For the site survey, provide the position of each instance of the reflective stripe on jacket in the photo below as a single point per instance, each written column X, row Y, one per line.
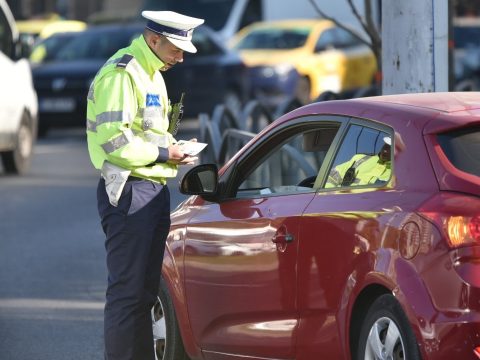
column 127, row 114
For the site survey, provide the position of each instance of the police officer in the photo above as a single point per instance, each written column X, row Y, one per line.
column 363, row 169
column 128, row 141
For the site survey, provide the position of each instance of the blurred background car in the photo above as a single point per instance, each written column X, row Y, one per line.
column 326, row 58
column 18, row 107
column 213, row 75
column 62, row 84
column 466, row 39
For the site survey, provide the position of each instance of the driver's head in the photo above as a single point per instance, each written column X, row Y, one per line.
column 386, row 150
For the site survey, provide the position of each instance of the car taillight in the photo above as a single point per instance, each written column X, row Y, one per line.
column 457, row 216
column 476, row 351
column 463, row 230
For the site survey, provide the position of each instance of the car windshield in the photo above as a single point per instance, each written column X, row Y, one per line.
column 48, row 48
column 274, row 39
column 215, row 12
column 462, row 148
column 97, row 44
column 466, row 36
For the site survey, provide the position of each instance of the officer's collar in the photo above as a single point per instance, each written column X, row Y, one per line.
column 146, row 57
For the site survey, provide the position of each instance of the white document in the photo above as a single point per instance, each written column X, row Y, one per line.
column 191, row 148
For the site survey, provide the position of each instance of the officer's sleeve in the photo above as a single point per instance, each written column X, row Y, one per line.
column 116, row 107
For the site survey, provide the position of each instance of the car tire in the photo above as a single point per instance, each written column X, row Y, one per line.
column 17, row 161
column 385, row 316
column 166, row 334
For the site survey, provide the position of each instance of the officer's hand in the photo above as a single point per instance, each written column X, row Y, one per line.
column 178, row 157
column 188, row 160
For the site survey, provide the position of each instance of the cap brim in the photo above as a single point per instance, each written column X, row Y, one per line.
column 185, row 45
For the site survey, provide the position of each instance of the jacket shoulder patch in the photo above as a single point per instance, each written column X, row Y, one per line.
column 123, row 62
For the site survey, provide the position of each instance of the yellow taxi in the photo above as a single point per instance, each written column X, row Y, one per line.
column 323, row 55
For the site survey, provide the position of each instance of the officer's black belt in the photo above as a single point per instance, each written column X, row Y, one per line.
column 134, row 178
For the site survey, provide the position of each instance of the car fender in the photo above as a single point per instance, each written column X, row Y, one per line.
column 172, row 272
column 403, row 282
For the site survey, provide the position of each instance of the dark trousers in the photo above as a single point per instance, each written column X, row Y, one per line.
column 135, row 232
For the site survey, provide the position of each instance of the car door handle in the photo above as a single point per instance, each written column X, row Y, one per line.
column 282, row 238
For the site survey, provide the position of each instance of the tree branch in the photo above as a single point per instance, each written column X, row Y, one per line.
column 340, row 25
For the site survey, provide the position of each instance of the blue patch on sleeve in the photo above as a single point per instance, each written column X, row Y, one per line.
column 153, row 100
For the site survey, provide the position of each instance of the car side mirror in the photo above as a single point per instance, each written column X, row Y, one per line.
column 200, row 180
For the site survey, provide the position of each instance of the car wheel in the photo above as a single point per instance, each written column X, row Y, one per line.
column 17, row 161
column 166, row 335
column 386, row 333
column 303, row 90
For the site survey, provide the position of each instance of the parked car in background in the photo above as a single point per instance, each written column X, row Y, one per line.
column 213, row 75
column 466, row 52
column 384, row 266
column 62, row 84
column 18, row 105
column 326, row 57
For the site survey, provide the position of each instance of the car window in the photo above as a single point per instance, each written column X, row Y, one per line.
column 344, row 39
column 364, row 158
column 47, row 49
column 462, row 148
column 274, row 38
column 96, row 45
column 291, row 167
column 466, row 36
column 326, row 40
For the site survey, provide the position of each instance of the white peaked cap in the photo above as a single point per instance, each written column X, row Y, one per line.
column 177, row 28
column 387, row 140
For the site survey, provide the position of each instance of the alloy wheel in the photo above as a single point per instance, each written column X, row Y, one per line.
column 384, row 341
column 159, row 330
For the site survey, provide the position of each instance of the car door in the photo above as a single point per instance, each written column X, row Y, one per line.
column 241, row 254
column 339, row 228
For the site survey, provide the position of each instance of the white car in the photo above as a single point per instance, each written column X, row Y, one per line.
column 18, row 100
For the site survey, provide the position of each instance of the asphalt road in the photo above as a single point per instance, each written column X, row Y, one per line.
column 52, row 271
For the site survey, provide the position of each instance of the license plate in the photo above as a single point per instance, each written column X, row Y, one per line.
column 57, row 105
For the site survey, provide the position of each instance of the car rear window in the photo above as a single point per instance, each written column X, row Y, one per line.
column 462, row 148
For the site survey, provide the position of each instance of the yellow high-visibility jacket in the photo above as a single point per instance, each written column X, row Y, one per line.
column 365, row 170
column 127, row 114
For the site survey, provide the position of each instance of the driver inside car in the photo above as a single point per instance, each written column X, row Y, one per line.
column 363, row 169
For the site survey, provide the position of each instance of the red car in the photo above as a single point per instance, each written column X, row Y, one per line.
column 294, row 251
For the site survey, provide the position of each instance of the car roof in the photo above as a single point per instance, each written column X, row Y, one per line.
column 432, row 112
column 291, row 23
column 446, row 102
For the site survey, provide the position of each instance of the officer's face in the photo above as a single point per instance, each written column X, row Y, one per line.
column 167, row 52
column 385, row 153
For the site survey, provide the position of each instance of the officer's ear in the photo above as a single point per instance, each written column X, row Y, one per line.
column 151, row 38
